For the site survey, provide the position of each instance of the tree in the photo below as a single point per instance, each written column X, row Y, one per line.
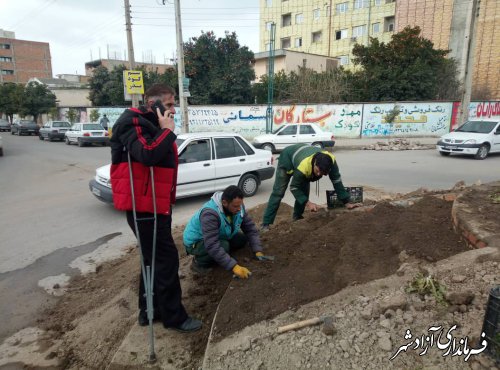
column 406, row 68
column 94, row 115
column 99, row 95
column 220, row 70
column 11, row 96
column 71, row 115
column 37, row 99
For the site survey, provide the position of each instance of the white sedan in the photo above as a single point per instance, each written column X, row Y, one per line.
column 207, row 162
column 86, row 133
column 293, row 134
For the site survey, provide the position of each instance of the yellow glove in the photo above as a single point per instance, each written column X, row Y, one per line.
column 259, row 254
column 241, row 272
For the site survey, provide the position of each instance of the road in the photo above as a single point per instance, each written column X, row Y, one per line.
column 52, row 227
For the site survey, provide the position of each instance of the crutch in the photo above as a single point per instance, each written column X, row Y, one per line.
column 148, row 272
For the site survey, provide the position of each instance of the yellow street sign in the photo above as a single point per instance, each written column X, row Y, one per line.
column 134, row 84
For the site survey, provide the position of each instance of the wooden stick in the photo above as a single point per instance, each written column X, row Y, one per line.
column 299, row 325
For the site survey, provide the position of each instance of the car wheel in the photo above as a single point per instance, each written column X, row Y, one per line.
column 40, row 137
column 12, row 132
column 1, row 152
column 80, row 143
column 445, row 154
column 318, row 145
column 249, row 184
column 49, row 138
column 268, row 147
column 66, row 140
column 482, row 152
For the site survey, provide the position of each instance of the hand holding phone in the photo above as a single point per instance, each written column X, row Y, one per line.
column 165, row 117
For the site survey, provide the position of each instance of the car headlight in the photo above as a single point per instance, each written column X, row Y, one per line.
column 470, row 141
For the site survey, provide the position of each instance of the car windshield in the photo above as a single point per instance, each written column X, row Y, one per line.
column 26, row 122
column 179, row 142
column 481, row 127
column 278, row 129
column 92, row 126
column 61, row 124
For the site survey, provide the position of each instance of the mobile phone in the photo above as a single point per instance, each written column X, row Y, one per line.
column 158, row 104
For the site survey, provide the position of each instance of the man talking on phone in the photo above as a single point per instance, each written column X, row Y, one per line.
column 147, row 134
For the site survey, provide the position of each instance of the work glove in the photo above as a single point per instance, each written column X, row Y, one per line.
column 261, row 257
column 241, row 272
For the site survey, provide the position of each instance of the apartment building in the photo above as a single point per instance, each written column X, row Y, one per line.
column 21, row 60
column 111, row 63
column 326, row 27
column 445, row 23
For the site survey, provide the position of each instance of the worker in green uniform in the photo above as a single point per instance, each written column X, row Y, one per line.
column 303, row 164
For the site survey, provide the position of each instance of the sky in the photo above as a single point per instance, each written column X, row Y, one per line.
column 79, row 31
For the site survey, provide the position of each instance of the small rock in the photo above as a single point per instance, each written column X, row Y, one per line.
column 366, row 313
column 382, row 333
column 460, row 298
column 386, row 323
column 458, row 278
column 403, row 256
column 407, row 317
column 462, row 308
column 340, row 315
column 398, row 300
column 362, row 337
column 390, row 313
column 385, row 343
column 344, row 345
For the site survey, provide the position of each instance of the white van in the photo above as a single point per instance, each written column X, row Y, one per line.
column 477, row 138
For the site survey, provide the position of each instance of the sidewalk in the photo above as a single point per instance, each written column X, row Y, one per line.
column 359, row 143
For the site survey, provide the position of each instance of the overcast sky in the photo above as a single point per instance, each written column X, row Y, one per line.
column 82, row 30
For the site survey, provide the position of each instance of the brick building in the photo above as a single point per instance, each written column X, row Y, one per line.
column 111, row 63
column 444, row 22
column 21, row 60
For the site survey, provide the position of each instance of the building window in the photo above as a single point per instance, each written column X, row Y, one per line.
column 285, row 43
column 359, row 31
column 378, row 2
column 4, row 46
column 268, row 26
column 358, row 4
column 389, row 24
column 286, row 20
column 328, row 11
column 269, row 3
column 341, row 34
column 299, row 18
column 344, row 60
column 5, row 59
column 316, row 14
column 6, row 72
column 389, row 1
column 316, row 36
column 375, row 27
column 342, row 8
column 298, row 42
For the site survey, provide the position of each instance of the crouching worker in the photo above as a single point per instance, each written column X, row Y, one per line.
column 219, row 227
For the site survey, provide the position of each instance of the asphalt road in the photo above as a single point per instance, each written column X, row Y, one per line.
column 51, row 225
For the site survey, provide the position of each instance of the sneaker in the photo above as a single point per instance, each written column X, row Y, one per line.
column 264, row 228
column 199, row 269
column 188, row 326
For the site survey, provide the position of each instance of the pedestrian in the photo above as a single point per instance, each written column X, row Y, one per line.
column 219, row 227
column 303, row 164
column 104, row 122
column 148, row 136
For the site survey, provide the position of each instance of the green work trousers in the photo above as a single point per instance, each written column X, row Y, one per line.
column 203, row 258
column 279, row 188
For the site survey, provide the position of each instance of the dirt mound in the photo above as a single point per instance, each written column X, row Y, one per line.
column 326, row 252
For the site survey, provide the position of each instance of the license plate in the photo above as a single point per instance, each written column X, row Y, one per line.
column 96, row 191
column 450, row 147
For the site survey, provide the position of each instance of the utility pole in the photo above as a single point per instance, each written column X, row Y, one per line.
column 180, row 68
column 130, row 44
column 470, row 48
column 270, row 81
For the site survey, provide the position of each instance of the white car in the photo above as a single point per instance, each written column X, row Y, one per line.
column 86, row 133
column 207, row 162
column 293, row 134
column 477, row 138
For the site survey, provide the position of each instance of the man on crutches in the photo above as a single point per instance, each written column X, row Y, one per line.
column 143, row 149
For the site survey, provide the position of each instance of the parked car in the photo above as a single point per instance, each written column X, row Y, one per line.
column 53, row 130
column 292, row 134
column 4, row 125
column 207, row 162
column 86, row 133
column 22, row 127
column 477, row 138
column 1, row 147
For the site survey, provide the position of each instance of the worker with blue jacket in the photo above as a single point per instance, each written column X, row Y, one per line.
column 219, row 227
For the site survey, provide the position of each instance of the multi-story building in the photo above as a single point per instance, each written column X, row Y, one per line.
column 327, row 27
column 21, row 60
column 445, row 23
column 111, row 63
